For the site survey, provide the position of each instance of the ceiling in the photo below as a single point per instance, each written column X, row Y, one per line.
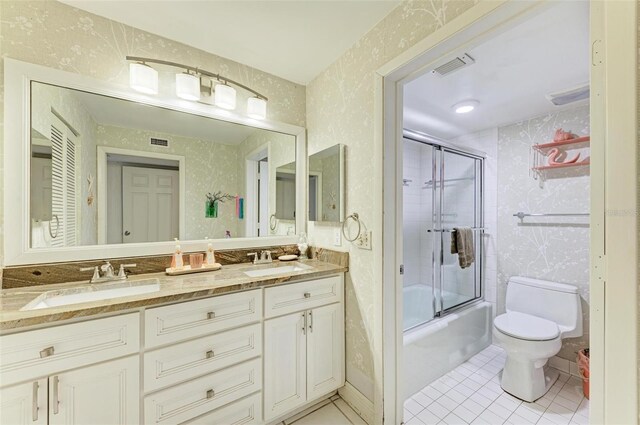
column 122, row 113
column 295, row 40
column 512, row 73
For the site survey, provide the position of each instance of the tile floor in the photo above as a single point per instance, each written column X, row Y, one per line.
column 471, row 394
column 334, row 411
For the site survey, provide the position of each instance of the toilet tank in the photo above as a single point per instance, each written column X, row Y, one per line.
column 553, row 301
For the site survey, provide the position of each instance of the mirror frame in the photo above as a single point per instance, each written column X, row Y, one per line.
column 17, row 141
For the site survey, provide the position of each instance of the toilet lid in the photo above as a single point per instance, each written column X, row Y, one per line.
column 525, row 326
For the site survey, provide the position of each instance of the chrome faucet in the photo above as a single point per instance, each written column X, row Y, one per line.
column 263, row 258
column 108, row 272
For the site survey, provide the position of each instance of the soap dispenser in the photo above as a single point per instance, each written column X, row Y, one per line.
column 211, row 255
column 176, row 261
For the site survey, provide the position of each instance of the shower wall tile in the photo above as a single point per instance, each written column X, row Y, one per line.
column 555, row 249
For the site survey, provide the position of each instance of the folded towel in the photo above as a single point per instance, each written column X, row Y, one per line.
column 462, row 244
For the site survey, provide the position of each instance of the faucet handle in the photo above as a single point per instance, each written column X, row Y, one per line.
column 268, row 255
column 96, row 273
column 255, row 256
column 121, row 273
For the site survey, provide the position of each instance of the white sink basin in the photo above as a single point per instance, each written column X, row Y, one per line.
column 278, row 270
column 95, row 292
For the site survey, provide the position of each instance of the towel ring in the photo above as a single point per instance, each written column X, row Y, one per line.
column 57, row 227
column 273, row 222
column 356, row 219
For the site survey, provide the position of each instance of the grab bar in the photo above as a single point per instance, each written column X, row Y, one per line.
column 451, row 230
column 521, row 215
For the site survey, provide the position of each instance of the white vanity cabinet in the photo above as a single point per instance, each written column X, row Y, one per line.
column 304, row 350
column 70, row 375
column 241, row 358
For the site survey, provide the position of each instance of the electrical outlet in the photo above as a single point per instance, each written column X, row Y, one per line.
column 337, row 237
column 364, row 240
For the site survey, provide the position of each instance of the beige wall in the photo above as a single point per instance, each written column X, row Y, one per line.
column 58, row 36
column 340, row 109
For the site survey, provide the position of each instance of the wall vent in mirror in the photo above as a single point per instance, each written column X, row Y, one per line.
column 159, row 142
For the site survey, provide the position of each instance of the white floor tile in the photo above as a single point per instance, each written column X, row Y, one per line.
column 327, row 415
column 349, row 412
column 422, row 399
column 471, row 394
column 428, row 417
column 438, row 409
column 413, row 406
column 453, row 419
column 465, row 414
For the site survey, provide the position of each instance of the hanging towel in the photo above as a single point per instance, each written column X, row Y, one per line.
column 462, row 244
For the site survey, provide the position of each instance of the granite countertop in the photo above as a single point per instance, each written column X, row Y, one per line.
column 230, row 278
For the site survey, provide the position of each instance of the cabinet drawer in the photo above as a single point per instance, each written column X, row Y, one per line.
column 302, row 296
column 180, row 362
column 31, row 354
column 194, row 398
column 243, row 412
column 165, row 325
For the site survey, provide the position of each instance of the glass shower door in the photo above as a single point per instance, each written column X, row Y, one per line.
column 459, row 195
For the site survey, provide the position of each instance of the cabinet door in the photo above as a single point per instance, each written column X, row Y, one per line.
column 284, row 364
column 325, row 350
column 106, row 393
column 24, row 404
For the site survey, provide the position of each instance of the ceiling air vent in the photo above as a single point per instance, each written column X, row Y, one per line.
column 160, row 142
column 569, row 96
column 454, row 65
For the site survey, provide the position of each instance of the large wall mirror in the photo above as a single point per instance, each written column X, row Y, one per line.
column 103, row 170
column 326, row 185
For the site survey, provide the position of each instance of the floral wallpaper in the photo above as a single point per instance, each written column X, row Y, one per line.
column 340, row 109
column 52, row 34
column 556, row 248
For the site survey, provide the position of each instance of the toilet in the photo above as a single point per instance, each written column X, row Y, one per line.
column 539, row 315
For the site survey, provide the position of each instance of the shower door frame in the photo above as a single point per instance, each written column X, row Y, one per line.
column 438, row 263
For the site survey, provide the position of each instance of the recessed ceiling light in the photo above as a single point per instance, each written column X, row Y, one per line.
column 465, row 106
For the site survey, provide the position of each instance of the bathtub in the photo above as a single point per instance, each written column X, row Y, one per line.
column 437, row 347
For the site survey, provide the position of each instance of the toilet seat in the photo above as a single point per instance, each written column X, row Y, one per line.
column 526, row 327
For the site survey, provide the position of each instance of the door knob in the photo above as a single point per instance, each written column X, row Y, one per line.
column 127, row 233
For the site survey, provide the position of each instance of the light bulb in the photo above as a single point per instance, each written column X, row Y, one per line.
column 257, row 108
column 143, row 78
column 187, row 86
column 225, row 96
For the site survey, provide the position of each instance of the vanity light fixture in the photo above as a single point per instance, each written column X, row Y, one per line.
column 187, row 86
column 465, row 106
column 224, row 96
column 143, row 78
column 257, row 108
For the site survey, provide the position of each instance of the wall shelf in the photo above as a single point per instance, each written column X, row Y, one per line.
column 575, row 141
column 550, row 167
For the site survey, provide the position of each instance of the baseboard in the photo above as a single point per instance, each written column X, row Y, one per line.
column 358, row 402
column 564, row 365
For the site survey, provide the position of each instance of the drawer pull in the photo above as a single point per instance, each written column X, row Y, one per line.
column 46, row 352
column 209, row 354
column 34, row 402
column 210, row 393
column 211, row 315
column 56, row 402
column 307, row 295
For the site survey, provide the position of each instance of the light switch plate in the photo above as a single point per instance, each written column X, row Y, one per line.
column 337, row 237
column 364, row 240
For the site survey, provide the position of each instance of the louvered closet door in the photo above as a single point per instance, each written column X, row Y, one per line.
column 64, row 216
